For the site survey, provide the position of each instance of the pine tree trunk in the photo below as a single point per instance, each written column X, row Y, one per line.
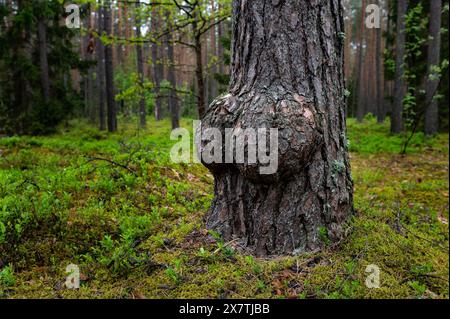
column 360, row 101
column 140, row 67
column 220, row 34
column 120, row 19
column 212, row 31
column 43, row 60
column 109, row 75
column 201, row 99
column 286, row 73
column 174, row 106
column 379, row 76
column 387, row 85
column 399, row 88
column 101, row 72
column 158, row 71
column 434, row 48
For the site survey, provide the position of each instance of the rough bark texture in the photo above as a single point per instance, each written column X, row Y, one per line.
column 286, row 73
column 434, row 48
column 109, row 74
column 399, row 89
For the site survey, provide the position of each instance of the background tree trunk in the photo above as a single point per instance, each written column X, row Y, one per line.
column 174, row 106
column 220, row 34
column 360, row 102
column 212, row 32
column 379, row 77
column 101, row 72
column 286, row 72
column 43, row 60
column 158, row 71
column 399, row 88
column 109, row 74
column 434, row 49
column 201, row 99
column 140, row 67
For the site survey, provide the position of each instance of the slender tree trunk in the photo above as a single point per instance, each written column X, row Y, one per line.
column 360, row 102
column 109, row 74
column 379, row 77
column 101, row 72
column 286, row 74
column 201, row 102
column 43, row 60
column 387, row 87
column 399, row 88
column 173, row 98
column 140, row 67
column 120, row 31
column 128, row 31
column 214, row 91
column 220, row 34
column 434, row 48
column 157, row 68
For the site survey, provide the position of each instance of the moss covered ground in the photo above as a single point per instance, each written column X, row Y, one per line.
column 116, row 206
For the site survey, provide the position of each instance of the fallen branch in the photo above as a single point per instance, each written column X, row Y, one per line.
column 95, row 158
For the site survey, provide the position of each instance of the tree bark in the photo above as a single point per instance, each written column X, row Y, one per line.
column 220, row 34
column 101, row 72
column 387, row 86
column 434, row 48
column 379, row 77
column 360, row 102
column 140, row 67
column 399, row 87
column 43, row 59
column 158, row 71
column 214, row 90
column 286, row 73
column 109, row 74
column 174, row 106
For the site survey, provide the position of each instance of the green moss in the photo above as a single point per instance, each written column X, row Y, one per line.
column 142, row 235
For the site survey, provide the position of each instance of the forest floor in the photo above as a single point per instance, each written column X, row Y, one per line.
column 132, row 221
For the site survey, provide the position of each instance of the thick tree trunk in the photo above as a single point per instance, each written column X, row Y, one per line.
column 109, row 74
column 140, row 67
column 174, row 106
column 399, row 88
column 286, row 73
column 434, row 48
column 43, row 60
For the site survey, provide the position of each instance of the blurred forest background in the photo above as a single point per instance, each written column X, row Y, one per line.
column 170, row 59
column 85, row 176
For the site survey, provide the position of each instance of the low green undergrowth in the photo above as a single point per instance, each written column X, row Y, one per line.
column 116, row 206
